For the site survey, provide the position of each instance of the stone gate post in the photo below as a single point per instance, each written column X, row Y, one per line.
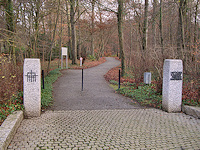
column 32, row 87
column 172, row 85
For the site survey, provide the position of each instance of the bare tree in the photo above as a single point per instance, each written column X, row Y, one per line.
column 73, row 31
column 54, row 34
column 161, row 29
column 145, row 26
column 92, row 31
column 8, row 6
column 120, row 35
column 155, row 2
column 69, row 29
column 180, row 32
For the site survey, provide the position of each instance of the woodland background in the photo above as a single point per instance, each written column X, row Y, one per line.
column 142, row 33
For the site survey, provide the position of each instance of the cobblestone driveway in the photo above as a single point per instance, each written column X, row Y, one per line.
column 100, row 119
column 109, row 129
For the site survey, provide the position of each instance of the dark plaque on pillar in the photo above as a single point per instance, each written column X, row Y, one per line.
column 176, row 76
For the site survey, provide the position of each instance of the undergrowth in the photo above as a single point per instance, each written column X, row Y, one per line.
column 146, row 95
column 16, row 101
column 151, row 95
column 46, row 93
column 92, row 58
column 11, row 105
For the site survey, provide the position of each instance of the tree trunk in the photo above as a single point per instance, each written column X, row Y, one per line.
column 196, row 37
column 131, row 41
column 60, row 42
column 78, row 33
column 69, row 30
column 8, row 5
column 180, row 35
column 120, row 35
column 196, row 23
column 145, row 27
column 153, row 24
column 101, row 45
column 161, row 30
column 73, row 31
column 54, row 34
column 92, row 31
column 37, row 14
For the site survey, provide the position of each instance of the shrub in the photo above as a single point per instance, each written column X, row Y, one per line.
column 90, row 57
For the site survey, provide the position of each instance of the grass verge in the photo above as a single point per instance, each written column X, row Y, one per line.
column 146, row 95
column 46, row 93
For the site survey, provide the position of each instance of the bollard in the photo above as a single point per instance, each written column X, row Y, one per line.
column 119, row 80
column 43, row 79
column 81, row 61
column 61, row 61
column 82, row 81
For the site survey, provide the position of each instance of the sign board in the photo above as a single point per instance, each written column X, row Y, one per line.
column 176, row 75
column 64, row 51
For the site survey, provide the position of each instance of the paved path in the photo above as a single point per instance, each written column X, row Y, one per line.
column 111, row 125
column 97, row 94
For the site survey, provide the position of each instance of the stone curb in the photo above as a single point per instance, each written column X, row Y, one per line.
column 9, row 128
column 191, row 110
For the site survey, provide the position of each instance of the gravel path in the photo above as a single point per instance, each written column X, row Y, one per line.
column 97, row 93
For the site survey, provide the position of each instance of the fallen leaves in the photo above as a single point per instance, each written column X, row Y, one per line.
column 88, row 64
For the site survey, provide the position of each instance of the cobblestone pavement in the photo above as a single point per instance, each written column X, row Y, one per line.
column 97, row 118
column 109, row 129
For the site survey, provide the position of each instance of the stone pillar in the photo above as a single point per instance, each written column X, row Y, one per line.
column 32, row 87
column 172, row 85
column 147, row 77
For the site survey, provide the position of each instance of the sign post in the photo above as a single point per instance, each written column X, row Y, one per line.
column 64, row 53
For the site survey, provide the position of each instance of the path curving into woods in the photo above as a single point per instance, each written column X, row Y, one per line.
column 97, row 94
